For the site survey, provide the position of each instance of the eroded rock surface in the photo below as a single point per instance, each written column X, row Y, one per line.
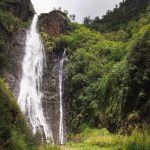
column 15, row 53
column 12, row 49
column 55, row 23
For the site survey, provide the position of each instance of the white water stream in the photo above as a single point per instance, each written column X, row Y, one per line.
column 61, row 125
column 30, row 95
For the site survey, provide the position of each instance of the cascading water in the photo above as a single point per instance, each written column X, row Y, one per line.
column 61, row 125
column 30, row 95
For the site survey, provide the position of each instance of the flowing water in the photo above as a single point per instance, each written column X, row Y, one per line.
column 30, row 96
column 61, row 125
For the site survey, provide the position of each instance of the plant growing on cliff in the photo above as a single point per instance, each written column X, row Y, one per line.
column 13, row 123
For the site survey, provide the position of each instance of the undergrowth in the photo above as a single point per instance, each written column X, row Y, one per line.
column 49, row 147
column 95, row 139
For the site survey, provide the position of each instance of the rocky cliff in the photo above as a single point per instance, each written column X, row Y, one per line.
column 54, row 24
column 12, row 43
column 14, row 20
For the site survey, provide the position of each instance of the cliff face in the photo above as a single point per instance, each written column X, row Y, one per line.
column 14, row 17
column 54, row 24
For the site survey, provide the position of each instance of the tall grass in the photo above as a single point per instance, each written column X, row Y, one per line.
column 138, row 141
column 48, row 147
column 94, row 139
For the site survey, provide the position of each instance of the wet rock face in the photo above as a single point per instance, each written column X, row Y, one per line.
column 53, row 23
column 21, row 8
column 51, row 99
column 13, row 49
column 15, row 52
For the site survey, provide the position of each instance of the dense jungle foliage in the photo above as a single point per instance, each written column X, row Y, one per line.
column 109, row 70
column 126, row 11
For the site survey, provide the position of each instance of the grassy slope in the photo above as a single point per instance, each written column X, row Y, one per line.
column 14, row 132
column 94, row 139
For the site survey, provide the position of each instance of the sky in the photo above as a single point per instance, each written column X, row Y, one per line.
column 81, row 8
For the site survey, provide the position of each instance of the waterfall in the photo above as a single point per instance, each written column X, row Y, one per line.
column 61, row 125
column 30, row 96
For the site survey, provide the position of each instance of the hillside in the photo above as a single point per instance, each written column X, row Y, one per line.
column 14, row 132
column 127, row 12
column 100, row 70
column 108, row 72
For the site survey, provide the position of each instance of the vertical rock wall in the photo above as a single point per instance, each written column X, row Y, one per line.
column 15, row 52
column 54, row 24
column 13, row 49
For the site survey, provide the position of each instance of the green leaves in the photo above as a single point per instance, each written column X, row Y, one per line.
column 9, row 21
column 14, row 132
column 109, row 73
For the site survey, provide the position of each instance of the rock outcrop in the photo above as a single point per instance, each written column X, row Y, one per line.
column 54, row 24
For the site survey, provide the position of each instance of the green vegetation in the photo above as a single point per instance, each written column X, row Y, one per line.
column 109, row 81
column 127, row 12
column 9, row 22
column 109, row 77
column 96, row 139
column 48, row 147
column 108, row 72
column 9, row 25
column 14, row 132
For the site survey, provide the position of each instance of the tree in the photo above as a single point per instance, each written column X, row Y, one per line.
column 87, row 20
column 72, row 17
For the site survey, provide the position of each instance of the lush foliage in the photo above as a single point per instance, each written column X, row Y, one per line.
column 9, row 25
column 108, row 72
column 138, row 141
column 109, row 80
column 120, row 17
column 103, row 140
column 14, row 132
